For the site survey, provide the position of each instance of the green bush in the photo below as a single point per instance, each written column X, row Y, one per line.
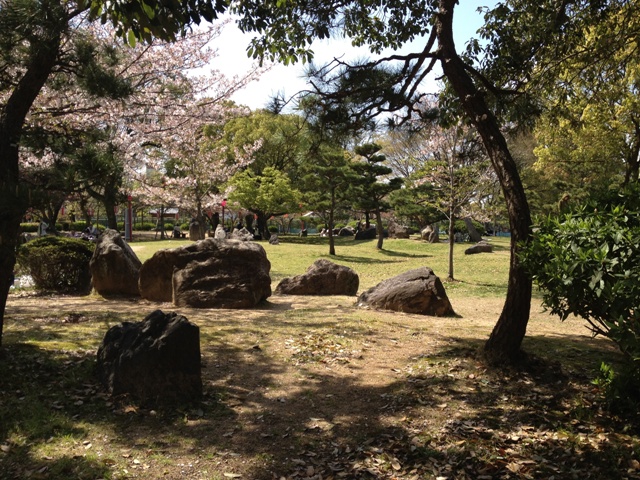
column 587, row 263
column 460, row 227
column 59, row 264
column 30, row 227
column 144, row 226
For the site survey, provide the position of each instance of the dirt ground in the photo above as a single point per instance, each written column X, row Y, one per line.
column 312, row 387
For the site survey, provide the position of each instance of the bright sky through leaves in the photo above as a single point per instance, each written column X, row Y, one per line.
column 233, row 59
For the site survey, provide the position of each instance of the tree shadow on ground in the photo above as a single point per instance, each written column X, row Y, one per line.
column 304, row 410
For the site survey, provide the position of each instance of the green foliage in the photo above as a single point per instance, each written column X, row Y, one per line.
column 30, row 227
column 58, row 263
column 587, row 263
column 283, row 141
column 460, row 227
column 271, row 192
column 621, row 389
column 144, row 20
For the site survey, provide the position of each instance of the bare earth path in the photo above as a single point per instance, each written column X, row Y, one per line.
column 311, row 387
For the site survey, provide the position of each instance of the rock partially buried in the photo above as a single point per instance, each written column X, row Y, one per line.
column 416, row 291
column 211, row 273
column 480, row 247
column 154, row 361
column 321, row 278
column 114, row 266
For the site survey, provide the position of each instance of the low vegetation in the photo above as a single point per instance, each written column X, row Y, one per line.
column 313, row 387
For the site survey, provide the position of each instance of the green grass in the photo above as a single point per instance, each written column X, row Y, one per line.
column 482, row 275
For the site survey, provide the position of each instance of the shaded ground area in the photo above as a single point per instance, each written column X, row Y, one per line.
column 312, row 388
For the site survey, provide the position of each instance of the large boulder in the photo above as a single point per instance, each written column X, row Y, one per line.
column 210, row 273
column 155, row 361
column 114, row 266
column 430, row 233
column 346, row 232
column 480, row 247
column 366, row 233
column 241, row 234
column 416, row 291
column 321, row 278
column 398, row 231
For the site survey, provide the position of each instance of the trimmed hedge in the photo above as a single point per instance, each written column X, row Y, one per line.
column 59, row 264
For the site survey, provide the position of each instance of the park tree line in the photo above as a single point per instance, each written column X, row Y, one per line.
column 556, row 78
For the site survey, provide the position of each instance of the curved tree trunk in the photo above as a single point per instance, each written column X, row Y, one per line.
column 505, row 340
column 12, row 196
column 473, row 232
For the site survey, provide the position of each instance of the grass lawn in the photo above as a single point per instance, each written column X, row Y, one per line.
column 314, row 388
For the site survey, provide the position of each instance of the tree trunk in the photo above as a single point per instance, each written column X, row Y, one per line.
column 504, row 343
column 632, row 165
column 13, row 198
column 110, row 209
column 379, row 229
column 435, row 235
column 332, row 243
column 452, row 224
column 473, row 233
column 262, row 226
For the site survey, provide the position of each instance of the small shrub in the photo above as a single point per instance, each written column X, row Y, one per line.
column 587, row 263
column 460, row 227
column 29, row 227
column 59, row 264
column 621, row 389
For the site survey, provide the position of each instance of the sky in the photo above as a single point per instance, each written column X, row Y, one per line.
column 232, row 57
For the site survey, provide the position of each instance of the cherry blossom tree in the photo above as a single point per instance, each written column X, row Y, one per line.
column 164, row 124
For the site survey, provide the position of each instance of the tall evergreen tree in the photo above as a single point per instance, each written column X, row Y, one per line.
column 373, row 184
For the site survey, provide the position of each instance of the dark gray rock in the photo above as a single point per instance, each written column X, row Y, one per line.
column 273, row 239
column 154, row 361
column 416, row 291
column 480, row 247
column 366, row 234
column 321, row 278
column 346, row 232
column 398, row 231
column 210, row 273
column 195, row 231
column 114, row 266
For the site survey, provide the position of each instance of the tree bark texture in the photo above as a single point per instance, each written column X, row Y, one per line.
column 506, row 338
column 379, row 229
column 13, row 197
